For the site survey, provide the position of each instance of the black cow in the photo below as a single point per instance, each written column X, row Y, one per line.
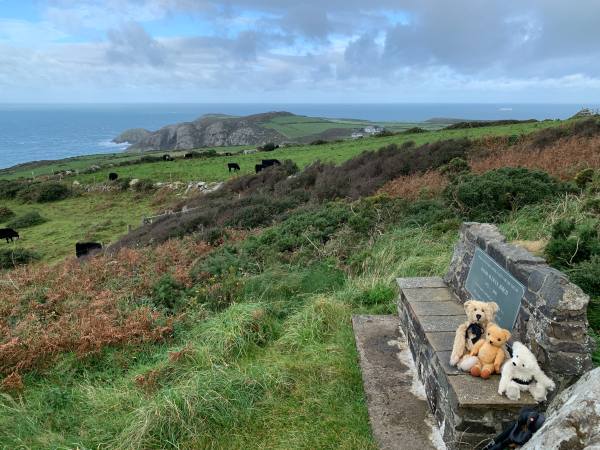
column 270, row 162
column 167, row 158
column 188, row 155
column 8, row 233
column 258, row 167
column 113, row 176
column 85, row 248
column 233, row 166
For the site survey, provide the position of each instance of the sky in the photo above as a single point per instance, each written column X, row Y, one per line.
column 300, row 51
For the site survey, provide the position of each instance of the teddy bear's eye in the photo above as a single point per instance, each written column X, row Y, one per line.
column 498, row 339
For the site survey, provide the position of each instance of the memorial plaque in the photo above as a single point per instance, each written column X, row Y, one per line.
column 488, row 281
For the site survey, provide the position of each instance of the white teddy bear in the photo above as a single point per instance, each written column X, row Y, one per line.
column 522, row 373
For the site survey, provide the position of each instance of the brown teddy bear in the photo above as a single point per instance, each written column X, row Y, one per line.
column 490, row 351
column 479, row 314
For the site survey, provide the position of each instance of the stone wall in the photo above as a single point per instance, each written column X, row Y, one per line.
column 552, row 319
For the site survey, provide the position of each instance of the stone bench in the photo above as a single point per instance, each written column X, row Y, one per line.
column 537, row 303
column 467, row 409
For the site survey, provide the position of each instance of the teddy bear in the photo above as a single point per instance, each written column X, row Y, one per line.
column 479, row 315
column 489, row 351
column 522, row 373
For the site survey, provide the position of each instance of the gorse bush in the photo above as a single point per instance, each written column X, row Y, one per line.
column 5, row 213
column 10, row 188
column 168, row 294
column 28, row 219
column 581, row 128
column 572, row 243
column 488, row 197
column 44, row 192
column 12, row 257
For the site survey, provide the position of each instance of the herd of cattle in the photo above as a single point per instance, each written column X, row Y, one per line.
column 81, row 248
column 85, row 248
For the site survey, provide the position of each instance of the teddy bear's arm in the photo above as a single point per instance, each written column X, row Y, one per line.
column 498, row 360
column 477, row 346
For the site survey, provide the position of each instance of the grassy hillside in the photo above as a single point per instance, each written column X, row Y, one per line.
column 232, row 329
column 103, row 217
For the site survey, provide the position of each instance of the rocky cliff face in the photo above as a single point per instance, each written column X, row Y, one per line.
column 211, row 131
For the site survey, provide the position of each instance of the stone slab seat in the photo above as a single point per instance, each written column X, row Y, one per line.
column 467, row 409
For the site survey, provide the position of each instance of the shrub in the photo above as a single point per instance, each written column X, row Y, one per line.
column 10, row 188
column 584, row 177
column 28, row 219
column 150, row 159
column 414, row 130
column 385, row 133
column 122, row 184
column 318, row 142
column 407, row 144
column 571, row 244
column 490, row 196
column 168, row 294
column 268, row 147
column 5, row 213
column 12, row 257
column 44, row 192
column 456, row 166
column 586, row 275
column 143, row 185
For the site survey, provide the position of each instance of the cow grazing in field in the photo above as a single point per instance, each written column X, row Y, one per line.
column 188, row 155
column 8, row 233
column 85, row 248
column 113, row 176
column 167, row 158
column 233, row 166
column 270, row 162
column 258, row 168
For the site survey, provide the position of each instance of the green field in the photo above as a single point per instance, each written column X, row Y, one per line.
column 215, row 169
column 297, row 127
column 98, row 217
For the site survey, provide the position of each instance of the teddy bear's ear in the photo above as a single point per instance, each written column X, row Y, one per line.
column 468, row 303
column 492, row 307
column 507, row 334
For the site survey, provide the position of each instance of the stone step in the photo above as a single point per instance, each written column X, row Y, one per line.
column 469, row 410
column 398, row 412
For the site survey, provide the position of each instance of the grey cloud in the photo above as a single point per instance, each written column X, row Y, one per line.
column 132, row 45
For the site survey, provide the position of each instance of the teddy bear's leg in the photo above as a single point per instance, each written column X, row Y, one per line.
column 512, row 391
column 487, row 370
column 538, row 391
column 504, row 379
column 476, row 369
column 458, row 348
column 467, row 362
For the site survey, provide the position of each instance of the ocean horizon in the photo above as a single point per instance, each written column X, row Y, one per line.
column 32, row 132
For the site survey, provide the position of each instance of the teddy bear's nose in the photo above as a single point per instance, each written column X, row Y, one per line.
column 514, row 364
column 478, row 316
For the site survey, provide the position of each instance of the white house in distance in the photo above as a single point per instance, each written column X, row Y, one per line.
column 357, row 135
column 373, row 129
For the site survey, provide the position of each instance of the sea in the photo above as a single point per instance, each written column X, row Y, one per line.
column 32, row 132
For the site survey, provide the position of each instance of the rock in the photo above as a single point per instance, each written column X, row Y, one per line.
column 76, row 183
column 573, row 418
column 207, row 131
column 132, row 136
column 134, row 182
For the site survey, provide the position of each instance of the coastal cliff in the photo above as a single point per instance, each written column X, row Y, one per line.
column 207, row 131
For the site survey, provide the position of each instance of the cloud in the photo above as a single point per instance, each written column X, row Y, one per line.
column 131, row 44
column 310, row 51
